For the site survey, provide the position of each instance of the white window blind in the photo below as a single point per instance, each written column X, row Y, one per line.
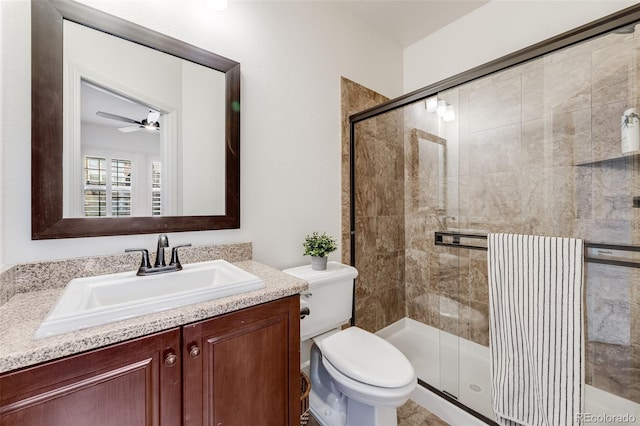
column 156, row 181
column 107, row 191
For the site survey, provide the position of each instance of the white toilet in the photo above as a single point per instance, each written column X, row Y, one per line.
column 357, row 378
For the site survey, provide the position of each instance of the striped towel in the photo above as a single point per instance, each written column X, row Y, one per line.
column 536, row 335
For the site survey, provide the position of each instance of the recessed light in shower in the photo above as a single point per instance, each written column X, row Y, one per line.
column 449, row 114
column 440, row 106
column 431, row 104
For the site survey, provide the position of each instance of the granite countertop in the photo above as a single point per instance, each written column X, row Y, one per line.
column 23, row 314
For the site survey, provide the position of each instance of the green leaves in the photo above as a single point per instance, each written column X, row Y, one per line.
column 319, row 245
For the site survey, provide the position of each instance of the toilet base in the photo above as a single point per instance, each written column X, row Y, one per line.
column 357, row 413
column 326, row 413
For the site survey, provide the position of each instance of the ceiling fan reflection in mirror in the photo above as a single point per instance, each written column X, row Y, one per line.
column 149, row 123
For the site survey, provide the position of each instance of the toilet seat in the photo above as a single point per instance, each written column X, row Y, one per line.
column 367, row 358
column 368, row 394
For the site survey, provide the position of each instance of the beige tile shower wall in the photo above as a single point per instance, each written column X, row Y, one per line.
column 515, row 162
column 354, row 98
column 380, row 289
column 527, row 153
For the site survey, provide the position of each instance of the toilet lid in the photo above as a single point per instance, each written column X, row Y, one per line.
column 367, row 358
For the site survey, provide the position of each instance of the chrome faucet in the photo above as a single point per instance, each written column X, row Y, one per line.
column 159, row 265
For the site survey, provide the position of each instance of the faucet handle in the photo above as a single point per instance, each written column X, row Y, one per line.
column 145, row 264
column 174, row 256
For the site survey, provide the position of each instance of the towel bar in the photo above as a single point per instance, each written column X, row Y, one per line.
column 604, row 253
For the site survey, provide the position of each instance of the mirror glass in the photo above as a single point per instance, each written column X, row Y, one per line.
column 132, row 131
column 142, row 140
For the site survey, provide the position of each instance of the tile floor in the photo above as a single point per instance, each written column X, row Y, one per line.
column 410, row 414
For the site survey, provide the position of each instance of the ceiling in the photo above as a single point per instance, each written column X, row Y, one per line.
column 402, row 21
column 406, row 22
column 95, row 98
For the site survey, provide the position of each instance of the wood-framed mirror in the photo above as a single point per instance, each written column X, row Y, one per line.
column 50, row 74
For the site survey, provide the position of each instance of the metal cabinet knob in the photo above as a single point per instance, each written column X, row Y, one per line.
column 194, row 351
column 171, row 359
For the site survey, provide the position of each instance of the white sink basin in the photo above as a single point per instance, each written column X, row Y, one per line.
column 92, row 301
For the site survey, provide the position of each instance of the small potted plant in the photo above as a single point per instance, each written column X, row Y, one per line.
column 318, row 247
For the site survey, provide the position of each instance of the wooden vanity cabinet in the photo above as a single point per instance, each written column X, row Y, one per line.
column 137, row 382
column 243, row 368
column 238, row 369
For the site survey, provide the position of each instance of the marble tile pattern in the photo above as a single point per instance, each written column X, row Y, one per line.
column 613, row 368
column 379, row 156
column 534, row 149
column 608, row 299
column 412, row 414
column 353, row 98
column 22, row 315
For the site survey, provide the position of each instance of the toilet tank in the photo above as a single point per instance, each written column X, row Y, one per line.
column 329, row 297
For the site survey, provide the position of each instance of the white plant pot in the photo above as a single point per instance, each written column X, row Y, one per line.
column 318, row 263
column 630, row 131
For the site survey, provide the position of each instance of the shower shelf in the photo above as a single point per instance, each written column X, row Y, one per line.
column 608, row 254
column 608, row 161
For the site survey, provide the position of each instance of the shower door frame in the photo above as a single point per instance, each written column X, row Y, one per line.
column 580, row 34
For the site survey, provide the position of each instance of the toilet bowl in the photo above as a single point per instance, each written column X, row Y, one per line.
column 357, row 378
column 368, row 368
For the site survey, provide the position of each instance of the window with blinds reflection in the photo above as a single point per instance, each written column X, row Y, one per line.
column 107, row 191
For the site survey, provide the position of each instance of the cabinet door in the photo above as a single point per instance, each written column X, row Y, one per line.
column 132, row 383
column 243, row 368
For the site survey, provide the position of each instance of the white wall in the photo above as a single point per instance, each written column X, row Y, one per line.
column 202, row 163
column 292, row 55
column 493, row 30
column 3, row 65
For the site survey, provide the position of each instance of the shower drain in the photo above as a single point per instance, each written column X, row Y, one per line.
column 475, row 387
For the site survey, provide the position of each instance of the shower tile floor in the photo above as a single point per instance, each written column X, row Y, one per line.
column 410, row 414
